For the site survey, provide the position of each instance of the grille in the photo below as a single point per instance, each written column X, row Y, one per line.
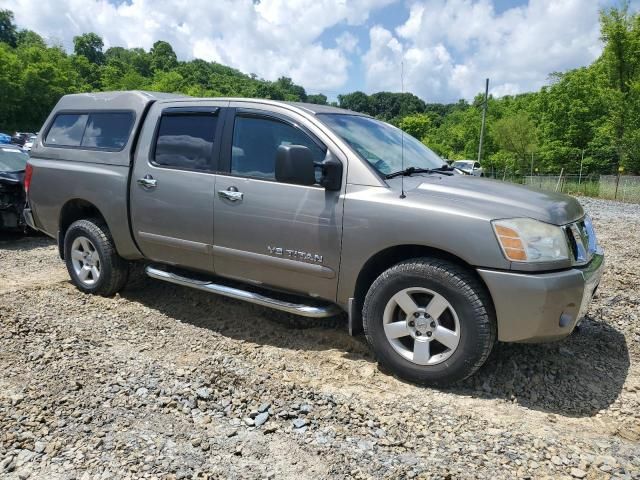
column 582, row 239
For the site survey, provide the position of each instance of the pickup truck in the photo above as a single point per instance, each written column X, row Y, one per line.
column 315, row 211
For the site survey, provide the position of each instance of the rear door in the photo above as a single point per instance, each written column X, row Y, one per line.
column 278, row 234
column 172, row 187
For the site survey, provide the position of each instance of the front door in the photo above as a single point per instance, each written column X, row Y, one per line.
column 272, row 233
column 173, row 183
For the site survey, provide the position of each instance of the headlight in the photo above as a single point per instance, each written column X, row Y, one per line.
column 529, row 240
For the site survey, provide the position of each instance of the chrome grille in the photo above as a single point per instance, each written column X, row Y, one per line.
column 582, row 239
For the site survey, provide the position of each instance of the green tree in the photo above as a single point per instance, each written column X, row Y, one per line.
column 516, row 134
column 163, row 58
column 89, row 45
column 621, row 58
column 356, row 101
column 417, row 125
column 291, row 91
column 318, row 99
column 29, row 38
column 8, row 32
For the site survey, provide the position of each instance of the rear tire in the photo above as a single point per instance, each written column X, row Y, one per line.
column 92, row 260
column 430, row 321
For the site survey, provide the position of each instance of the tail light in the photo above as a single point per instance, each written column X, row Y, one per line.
column 28, row 173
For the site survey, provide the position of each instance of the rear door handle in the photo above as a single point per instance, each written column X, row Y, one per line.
column 148, row 182
column 231, row 194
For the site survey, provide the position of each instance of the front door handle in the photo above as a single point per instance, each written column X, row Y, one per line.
column 231, row 194
column 148, row 182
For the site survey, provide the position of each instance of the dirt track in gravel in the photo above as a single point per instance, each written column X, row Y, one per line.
column 166, row 382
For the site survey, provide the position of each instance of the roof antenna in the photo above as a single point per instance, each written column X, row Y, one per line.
column 402, row 195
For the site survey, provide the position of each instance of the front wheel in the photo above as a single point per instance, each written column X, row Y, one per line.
column 430, row 321
column 92, row 260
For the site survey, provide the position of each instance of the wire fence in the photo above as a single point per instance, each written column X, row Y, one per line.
column 624, row 188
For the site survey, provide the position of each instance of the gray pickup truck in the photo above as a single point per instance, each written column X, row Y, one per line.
column 315, row 211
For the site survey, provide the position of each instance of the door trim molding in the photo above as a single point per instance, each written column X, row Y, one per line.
column 269, row 261
column 199, row 247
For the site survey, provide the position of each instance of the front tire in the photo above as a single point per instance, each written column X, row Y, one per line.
column 430, row 321
column 92, row 260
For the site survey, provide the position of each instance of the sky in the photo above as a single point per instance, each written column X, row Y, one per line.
column 441, row 50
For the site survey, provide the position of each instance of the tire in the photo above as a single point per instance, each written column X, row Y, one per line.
column 93, row 236
column 463, row 313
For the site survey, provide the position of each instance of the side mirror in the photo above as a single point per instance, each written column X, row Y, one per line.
column 294, row 164
column 331, row 173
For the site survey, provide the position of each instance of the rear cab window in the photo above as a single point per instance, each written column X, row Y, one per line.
column 91, row 130
column 185, row 140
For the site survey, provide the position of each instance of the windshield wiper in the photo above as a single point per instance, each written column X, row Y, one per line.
column 407, row 172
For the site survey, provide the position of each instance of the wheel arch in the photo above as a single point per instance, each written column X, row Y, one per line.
column 72, row 210
column 385, row 259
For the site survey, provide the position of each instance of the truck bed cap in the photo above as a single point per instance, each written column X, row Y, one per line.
column 131, row 100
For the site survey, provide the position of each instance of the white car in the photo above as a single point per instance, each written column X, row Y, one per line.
column 469, row 167
column 29, row 143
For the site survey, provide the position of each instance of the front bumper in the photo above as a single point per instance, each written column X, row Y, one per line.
column 542, row 307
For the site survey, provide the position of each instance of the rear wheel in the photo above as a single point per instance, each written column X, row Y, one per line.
column 429, row 321
column 92, row 260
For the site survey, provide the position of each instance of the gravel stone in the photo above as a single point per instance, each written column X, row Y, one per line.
column 578, row 473
column 261, row 419
column 299, row 423
column 161, row 381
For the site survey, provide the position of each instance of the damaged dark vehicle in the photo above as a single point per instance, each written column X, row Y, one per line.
column 13, row 162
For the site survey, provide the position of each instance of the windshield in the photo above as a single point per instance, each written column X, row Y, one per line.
column 12, row 160
column 463, row 164
column 380, row 144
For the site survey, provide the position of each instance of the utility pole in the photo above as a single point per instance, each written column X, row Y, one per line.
column 484, row 119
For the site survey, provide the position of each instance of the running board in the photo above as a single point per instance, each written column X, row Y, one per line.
column 312, row 311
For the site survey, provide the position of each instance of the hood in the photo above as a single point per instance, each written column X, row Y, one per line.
column 491, row 199
column 12, row 178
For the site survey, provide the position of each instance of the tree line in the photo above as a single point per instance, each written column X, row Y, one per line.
column 588, row 117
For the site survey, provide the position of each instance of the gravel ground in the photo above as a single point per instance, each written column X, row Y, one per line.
column 166, row 382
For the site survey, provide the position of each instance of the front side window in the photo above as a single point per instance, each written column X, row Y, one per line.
column 384, row 146
column 186, row 141
column 67, row 130
column 256, row 141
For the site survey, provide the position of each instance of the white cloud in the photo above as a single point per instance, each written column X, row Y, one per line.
column 270, row 38
column 450, row 46
column 347, row 42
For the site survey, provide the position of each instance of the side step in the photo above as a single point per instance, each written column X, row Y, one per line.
column 313, row 311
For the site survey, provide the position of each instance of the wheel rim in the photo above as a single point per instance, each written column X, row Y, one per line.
column 422, row 326
column 85, row 261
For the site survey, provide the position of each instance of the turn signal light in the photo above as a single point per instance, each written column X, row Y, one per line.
column 511, row 243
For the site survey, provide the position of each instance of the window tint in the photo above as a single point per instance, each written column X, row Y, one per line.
column 108, row 130
column 67, row 129
column 256, row 141
column 185, row 141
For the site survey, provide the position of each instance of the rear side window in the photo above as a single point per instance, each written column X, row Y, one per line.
column 185, row 141
column 108, row 130
column 99, row 130
column 67, row 130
